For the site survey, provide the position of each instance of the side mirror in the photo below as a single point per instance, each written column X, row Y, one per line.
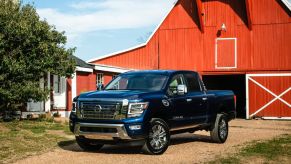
column 182, row 89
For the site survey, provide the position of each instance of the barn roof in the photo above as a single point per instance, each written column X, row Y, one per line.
column 287, row 3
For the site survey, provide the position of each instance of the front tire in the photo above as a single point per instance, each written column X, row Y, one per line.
column 87, row 144
column 219, row 132
column 159, row 137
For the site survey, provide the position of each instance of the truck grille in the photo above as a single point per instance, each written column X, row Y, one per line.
column 101, row 110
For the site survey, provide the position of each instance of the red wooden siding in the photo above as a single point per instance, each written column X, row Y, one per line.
column 266, row 12
column 180, row 44
column 85, row 82
column 261, row 99
column 178, row 49
column 183, row 16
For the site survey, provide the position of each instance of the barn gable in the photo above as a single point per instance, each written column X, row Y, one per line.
column 253, row 32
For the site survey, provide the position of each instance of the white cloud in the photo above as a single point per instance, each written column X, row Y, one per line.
column 107, row 15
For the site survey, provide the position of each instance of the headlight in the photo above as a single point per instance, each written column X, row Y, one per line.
column 137, row 109
column 74, row 107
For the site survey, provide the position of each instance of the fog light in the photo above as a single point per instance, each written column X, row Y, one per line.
column 135, row 127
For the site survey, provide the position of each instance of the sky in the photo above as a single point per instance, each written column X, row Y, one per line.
column 101, row 27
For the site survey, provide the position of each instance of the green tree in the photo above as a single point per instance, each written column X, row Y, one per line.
column 29, row 48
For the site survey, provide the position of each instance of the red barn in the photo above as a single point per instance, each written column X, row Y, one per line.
column 243, row 45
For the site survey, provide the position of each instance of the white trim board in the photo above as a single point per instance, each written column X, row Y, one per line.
column 110, row 69
column 216, row 53
column 276, row 97
column 277, row 118
column 138, row 46
column 269, row 74
column 287, row 3
column 83, row 69
column 74, row 86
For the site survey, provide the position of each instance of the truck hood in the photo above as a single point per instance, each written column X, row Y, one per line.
column 121, row 94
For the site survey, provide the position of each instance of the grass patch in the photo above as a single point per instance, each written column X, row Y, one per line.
column 20, row 139
column 270, row 151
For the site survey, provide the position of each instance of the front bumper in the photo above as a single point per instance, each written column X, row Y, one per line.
column 106, row 131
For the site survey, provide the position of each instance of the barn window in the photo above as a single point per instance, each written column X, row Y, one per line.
column 100, row 78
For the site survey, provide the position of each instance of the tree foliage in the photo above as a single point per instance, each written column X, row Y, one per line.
column 29, row 48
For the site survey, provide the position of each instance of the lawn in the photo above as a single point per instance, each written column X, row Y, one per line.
column 277, row 150
column 26, row 138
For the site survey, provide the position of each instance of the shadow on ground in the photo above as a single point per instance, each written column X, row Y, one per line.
column 71, row 145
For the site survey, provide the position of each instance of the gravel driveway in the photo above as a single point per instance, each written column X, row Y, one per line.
column 185, row 148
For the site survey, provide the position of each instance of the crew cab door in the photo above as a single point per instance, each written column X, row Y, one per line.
column 179, row 106
column 196, row 98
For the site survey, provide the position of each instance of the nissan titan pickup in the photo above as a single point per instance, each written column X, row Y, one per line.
column 147, row 107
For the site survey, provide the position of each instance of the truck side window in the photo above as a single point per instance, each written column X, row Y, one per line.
column 193, row 82
column 176, row 80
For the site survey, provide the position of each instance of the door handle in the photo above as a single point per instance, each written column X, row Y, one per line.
column 204, row 98
column 188, row 100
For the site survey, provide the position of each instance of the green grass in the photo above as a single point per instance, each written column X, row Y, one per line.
column 25, row 138
column 270, row 151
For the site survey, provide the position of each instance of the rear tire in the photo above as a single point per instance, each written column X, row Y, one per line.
column 219, row 132
column 87, row 144
column 159, row 137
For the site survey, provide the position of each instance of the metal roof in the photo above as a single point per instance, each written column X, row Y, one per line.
column 287, row 3
column 81, row 63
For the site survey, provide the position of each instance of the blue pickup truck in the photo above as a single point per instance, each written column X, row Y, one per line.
column 146, row 107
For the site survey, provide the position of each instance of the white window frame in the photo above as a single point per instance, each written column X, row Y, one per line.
column 59, row 82
column 99, row 78
column 216, row 53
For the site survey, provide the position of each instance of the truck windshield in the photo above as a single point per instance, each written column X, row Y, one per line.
column 152, row 82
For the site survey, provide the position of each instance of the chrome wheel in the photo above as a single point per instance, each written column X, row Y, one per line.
column 158, row 137
column 222, row 129
column 219, row 129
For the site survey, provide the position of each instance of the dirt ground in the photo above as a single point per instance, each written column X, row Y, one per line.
column 185, row 148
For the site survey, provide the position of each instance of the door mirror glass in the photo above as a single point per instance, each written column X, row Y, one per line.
column 177, row 82
column 182, row 89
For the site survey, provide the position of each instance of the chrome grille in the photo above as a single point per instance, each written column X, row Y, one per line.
column 101, row 110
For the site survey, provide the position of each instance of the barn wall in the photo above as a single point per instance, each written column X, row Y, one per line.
column 180, row 44
column 85, row 82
